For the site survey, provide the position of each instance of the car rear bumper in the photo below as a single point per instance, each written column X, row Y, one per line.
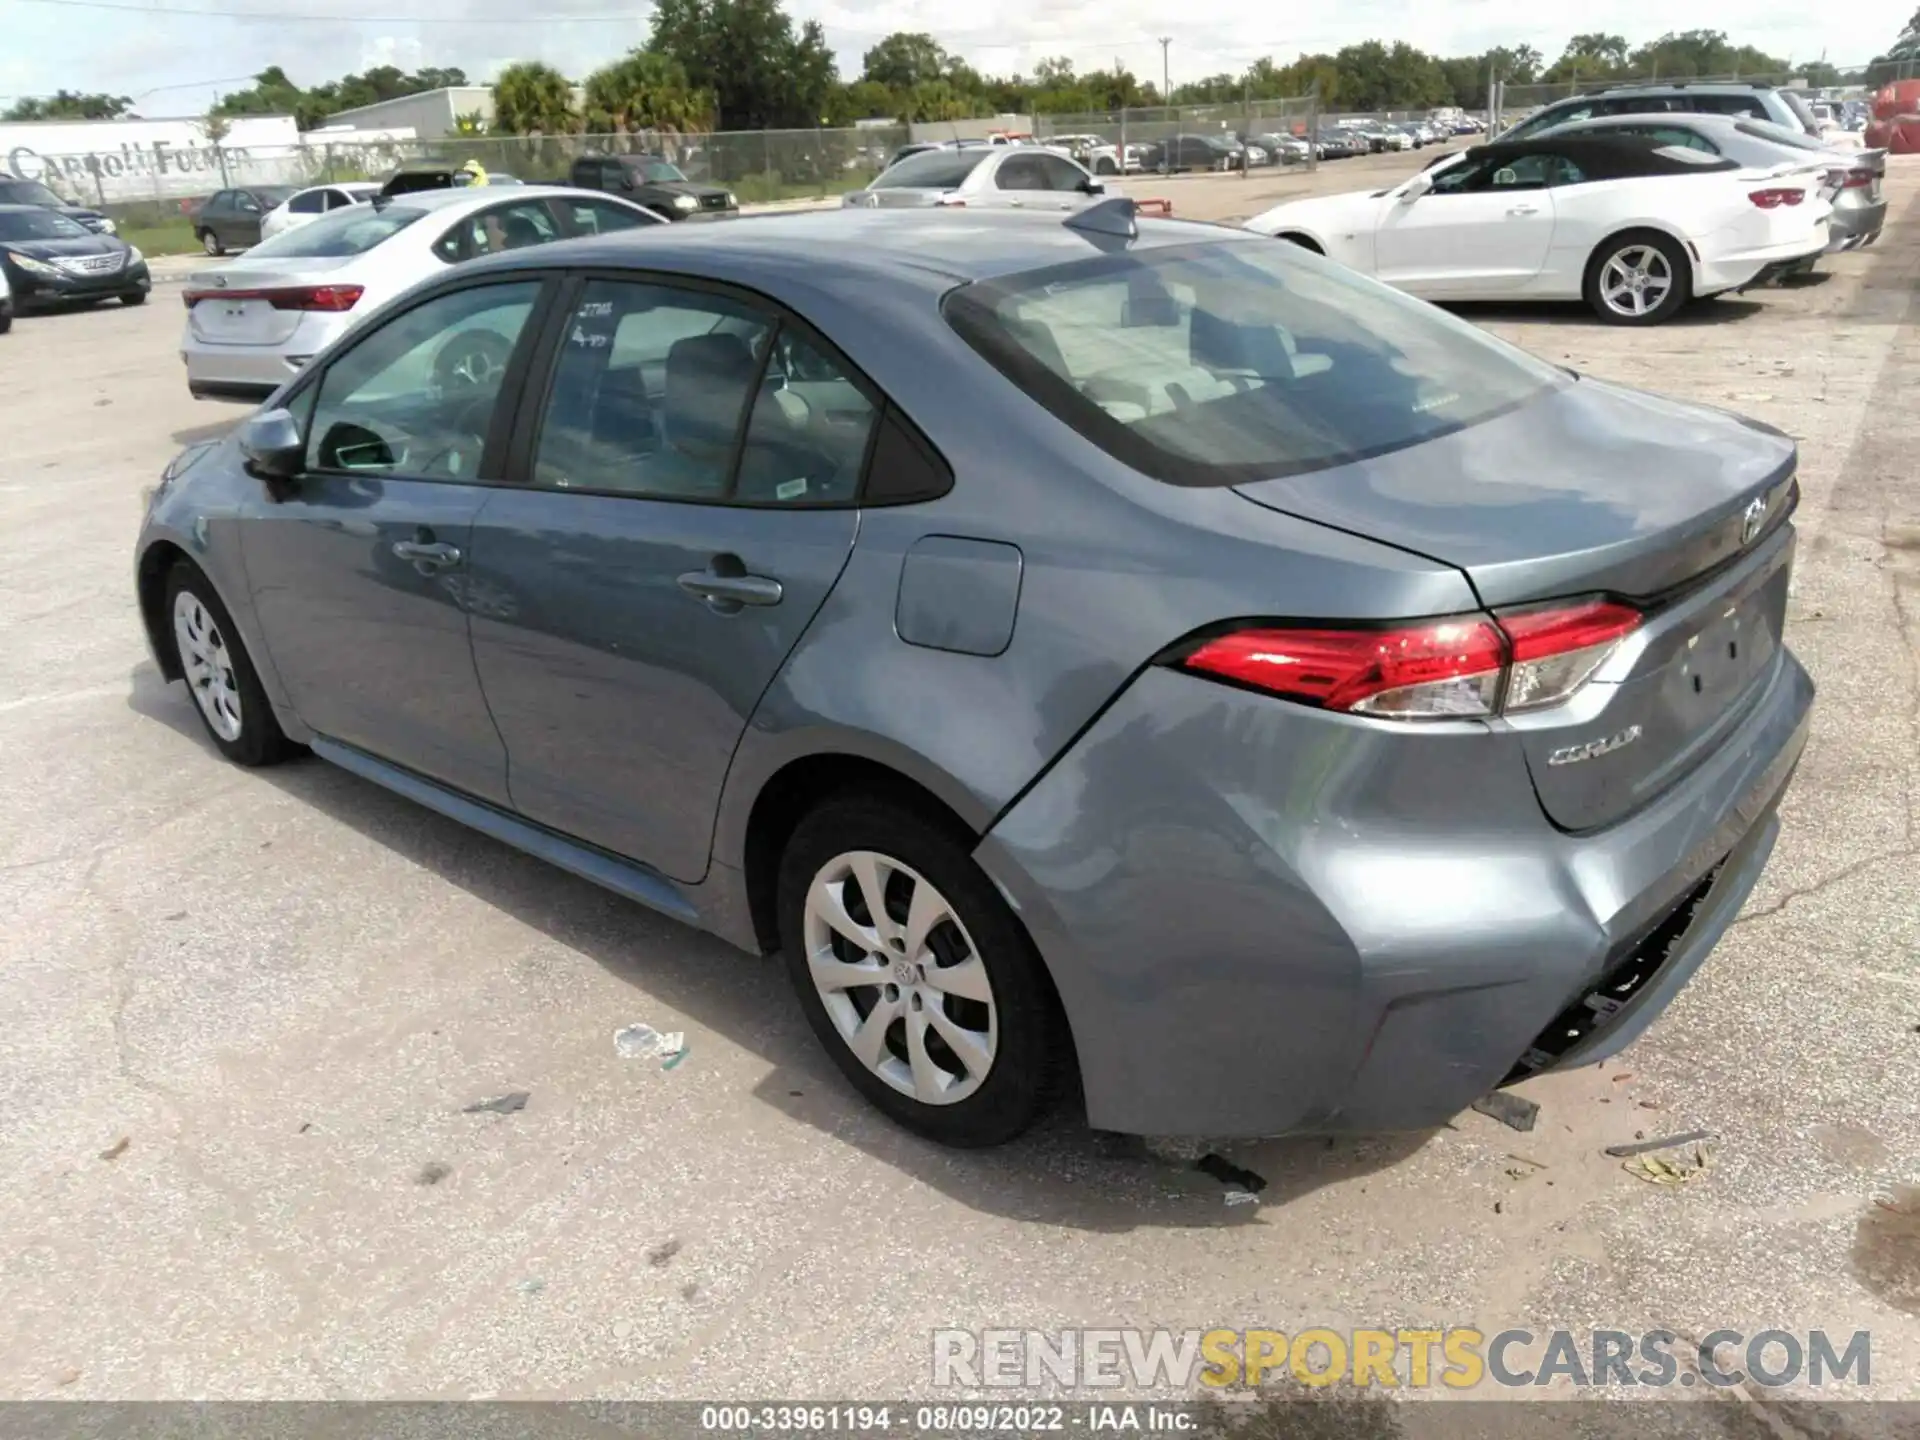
column 1853, row 226
column 253, row 372
column 1265, row 919
column 1744, row 269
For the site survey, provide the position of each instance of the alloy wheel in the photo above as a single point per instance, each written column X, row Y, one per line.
column 1635, row 281
column 208, row 665
column 900, row 977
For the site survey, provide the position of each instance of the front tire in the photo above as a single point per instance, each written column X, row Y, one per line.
column 219, row 673
column 915, row 974
column 1639, row 278
column 137, row 297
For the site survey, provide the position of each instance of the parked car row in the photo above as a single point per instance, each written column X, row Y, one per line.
column 1108, row 655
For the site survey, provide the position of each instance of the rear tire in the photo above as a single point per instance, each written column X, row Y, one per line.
column 1640, row 277
column 220, row 677
column 970, row 974
column 210, row 242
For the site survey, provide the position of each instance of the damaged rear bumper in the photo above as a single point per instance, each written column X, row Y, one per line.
column 1266, row 919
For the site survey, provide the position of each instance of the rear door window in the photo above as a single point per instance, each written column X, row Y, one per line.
column 308, row 202
column 1021, row 172
column 602, row 217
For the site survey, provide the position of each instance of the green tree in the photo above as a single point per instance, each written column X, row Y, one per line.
column 761, row 74
column 69, row 105
column 530, row 98
column 645, row 91
column 1593, row 56
column 905, row 59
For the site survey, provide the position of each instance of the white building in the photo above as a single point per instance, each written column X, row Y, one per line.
column 431, row 114
column 103, row 161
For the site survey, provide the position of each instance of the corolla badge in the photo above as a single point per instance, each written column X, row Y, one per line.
column 1574, row 754
column 1752, row 520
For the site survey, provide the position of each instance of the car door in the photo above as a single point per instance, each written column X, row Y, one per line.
column 1018, row 183
column 1484, row 229
column 655, row 566
column 243, row 219
column 1066, row 182
column 359, row 569
column 215, row 214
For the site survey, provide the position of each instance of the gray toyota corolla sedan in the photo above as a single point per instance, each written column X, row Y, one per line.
column 1084, row 647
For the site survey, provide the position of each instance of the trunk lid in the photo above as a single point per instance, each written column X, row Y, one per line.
column 1590, row 490
column 230, row 309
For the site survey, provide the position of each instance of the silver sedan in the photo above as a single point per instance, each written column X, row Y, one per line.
column 981, row 176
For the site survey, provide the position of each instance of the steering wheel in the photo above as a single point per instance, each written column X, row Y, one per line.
column 474, row 361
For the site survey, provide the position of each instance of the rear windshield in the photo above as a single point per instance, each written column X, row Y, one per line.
column 1224, row 362
column 351, row 231
column 39, row 225
column 931, row 170
column 1778, row 134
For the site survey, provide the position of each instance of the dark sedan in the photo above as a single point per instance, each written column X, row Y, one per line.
column 32, row 192
column 51, row 260
column 230, row 220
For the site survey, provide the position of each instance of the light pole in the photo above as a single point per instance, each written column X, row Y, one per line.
column 1166, row 85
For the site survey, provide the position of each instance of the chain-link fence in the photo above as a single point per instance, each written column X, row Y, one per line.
column 1180, row 137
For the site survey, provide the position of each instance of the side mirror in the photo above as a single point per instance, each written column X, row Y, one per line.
column 273, row 445
column 1416, row 187
column 1093, row 187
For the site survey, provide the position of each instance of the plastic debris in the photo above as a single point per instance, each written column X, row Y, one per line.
column 1665, row 1142
column 1242, row 1197
column 504, row 1105
column 673, row 1049
column 1510, row 1110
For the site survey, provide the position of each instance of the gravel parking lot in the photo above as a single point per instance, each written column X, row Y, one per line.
column 243, row 1013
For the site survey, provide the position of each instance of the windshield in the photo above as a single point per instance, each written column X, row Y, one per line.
column 1778, row 134
column 27, row 192
column 1224, row 362
column 39, row 225
column 351, row 231
column 931, row 170
column 660, row 170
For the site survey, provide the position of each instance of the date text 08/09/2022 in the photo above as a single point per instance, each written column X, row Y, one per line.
column 955, row 1419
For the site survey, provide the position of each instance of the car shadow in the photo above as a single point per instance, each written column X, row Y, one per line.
column 1716, row 310
column 1060, row 1173
column 215, row 430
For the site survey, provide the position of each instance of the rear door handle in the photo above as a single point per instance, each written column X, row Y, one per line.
column 436, row 554
column 1524, row 210
column 728, row 593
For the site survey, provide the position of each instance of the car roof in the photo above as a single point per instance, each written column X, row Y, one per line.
column 479, row 195
column 932, row 249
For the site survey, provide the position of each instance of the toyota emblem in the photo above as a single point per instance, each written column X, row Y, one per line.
column 1751, row 522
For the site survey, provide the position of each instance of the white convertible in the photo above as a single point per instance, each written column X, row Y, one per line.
column 1634, row 227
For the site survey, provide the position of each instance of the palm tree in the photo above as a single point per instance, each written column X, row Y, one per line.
column 646, row 91
column 530, row 98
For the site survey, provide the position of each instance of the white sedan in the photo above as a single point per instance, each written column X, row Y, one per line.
column 1634, row 227
column 254, row 322
column 305, row 206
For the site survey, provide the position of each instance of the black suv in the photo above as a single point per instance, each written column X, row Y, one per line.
column 14, row 191
column 654, row 182
column 1757, row 102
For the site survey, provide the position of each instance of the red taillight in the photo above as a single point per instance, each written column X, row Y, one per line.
column 333, row 299
column 1462, row 666
column 1443, row 667
column 1858, row 179
column 1775, row 198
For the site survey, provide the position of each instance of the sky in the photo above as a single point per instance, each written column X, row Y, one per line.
column 176, row 63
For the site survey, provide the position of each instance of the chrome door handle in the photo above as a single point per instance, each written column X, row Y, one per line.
column 1524, row 210
column 728, row 593
column 436, row 554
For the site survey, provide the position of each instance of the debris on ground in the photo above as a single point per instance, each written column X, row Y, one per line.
column 117, row 1149
column 533, row 1285
column 690, row 1289
column 66, row 1377
column 1510, row 1110
column 305, row 1126
column 503, row 1105
column 1521, row 1170
column 1649, row 1104
column 432, row 1173
column 1230, row 1175
column 1242, row 1197
column 1660, row 1170
column 641, row 1042
column 1664, row 1142
column 1623, row 1075
column 663, row 1252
